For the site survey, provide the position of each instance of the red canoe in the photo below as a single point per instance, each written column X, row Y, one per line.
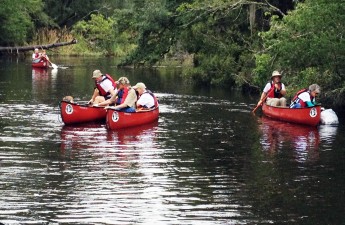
column 307, row 116
column 72, row 113
column 117, row 120
column 43, row 63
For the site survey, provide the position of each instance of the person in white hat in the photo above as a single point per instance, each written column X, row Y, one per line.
column 105, row 87
column 274, row 91
column 36, row 56
column 146, row 100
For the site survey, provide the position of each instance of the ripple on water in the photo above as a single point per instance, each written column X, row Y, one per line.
column 195, row 166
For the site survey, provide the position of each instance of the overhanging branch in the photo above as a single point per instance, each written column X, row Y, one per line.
column 18, row 49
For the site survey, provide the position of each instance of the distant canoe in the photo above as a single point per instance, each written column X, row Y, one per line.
column 73, row 113
column 118, row 120
column 306, row 116
column 43, row 63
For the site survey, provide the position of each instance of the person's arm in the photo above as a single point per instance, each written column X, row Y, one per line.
column 309, row 104
column 129, row 101
column 263, row 95
column 111, row 100
column 95, row 94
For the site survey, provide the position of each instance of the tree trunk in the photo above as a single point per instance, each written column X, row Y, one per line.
column 16, row 50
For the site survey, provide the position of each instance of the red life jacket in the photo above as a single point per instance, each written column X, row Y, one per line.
column 102, row 92
column 37, row 55
column 274, row 93
column 296, row 99
column 121, row 95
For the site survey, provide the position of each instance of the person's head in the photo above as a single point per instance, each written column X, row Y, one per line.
column 96, row 75
column 140, row 87
column 68, row 99
column 314, row 90
column 122, row 82
column 36, row 50
column 276, row 76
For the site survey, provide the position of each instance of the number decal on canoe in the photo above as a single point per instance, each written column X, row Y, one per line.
column 313, row 112
column 69, row 109
column 115, row 117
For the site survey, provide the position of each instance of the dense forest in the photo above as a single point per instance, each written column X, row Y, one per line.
column 231, row 43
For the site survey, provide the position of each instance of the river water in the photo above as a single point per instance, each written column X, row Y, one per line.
column 207, row 160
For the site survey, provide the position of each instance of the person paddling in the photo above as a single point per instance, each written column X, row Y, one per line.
column 274, row 91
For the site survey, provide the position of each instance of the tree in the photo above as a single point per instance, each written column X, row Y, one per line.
column 17, row 18
column 98, row 32
column 309, row 45
column 218, row 34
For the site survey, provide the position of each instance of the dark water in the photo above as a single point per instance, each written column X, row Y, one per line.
column 206, row 161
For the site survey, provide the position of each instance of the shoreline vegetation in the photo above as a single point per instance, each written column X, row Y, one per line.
column 231, row 44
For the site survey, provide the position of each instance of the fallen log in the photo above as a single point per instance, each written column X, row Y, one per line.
column 18, row 49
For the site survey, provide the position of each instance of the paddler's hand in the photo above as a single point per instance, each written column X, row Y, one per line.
column 259, row 103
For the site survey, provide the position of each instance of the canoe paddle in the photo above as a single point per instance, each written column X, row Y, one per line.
column 263, row 100
column 53, row 65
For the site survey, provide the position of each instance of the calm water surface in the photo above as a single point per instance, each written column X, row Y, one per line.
column 207, row 160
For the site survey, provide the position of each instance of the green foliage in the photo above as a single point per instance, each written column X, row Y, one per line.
column 309, row 43
column 217, row 36
column 97, row 32
column 152, row 30
column 262, row 70
column 17, row 20
column 67, row 12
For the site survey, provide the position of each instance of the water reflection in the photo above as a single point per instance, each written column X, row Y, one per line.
column 303, row 140
column 277, row 135
column 328, row 133
column 39, row 73
column 82, row 136
column 43, row 82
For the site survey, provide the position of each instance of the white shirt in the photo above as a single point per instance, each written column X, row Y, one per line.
column 305, row 97
column 146, row 100
column 268, row 87
column 107, row 85
column 34, row 55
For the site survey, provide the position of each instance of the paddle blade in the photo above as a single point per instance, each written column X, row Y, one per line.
column 54, row 66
